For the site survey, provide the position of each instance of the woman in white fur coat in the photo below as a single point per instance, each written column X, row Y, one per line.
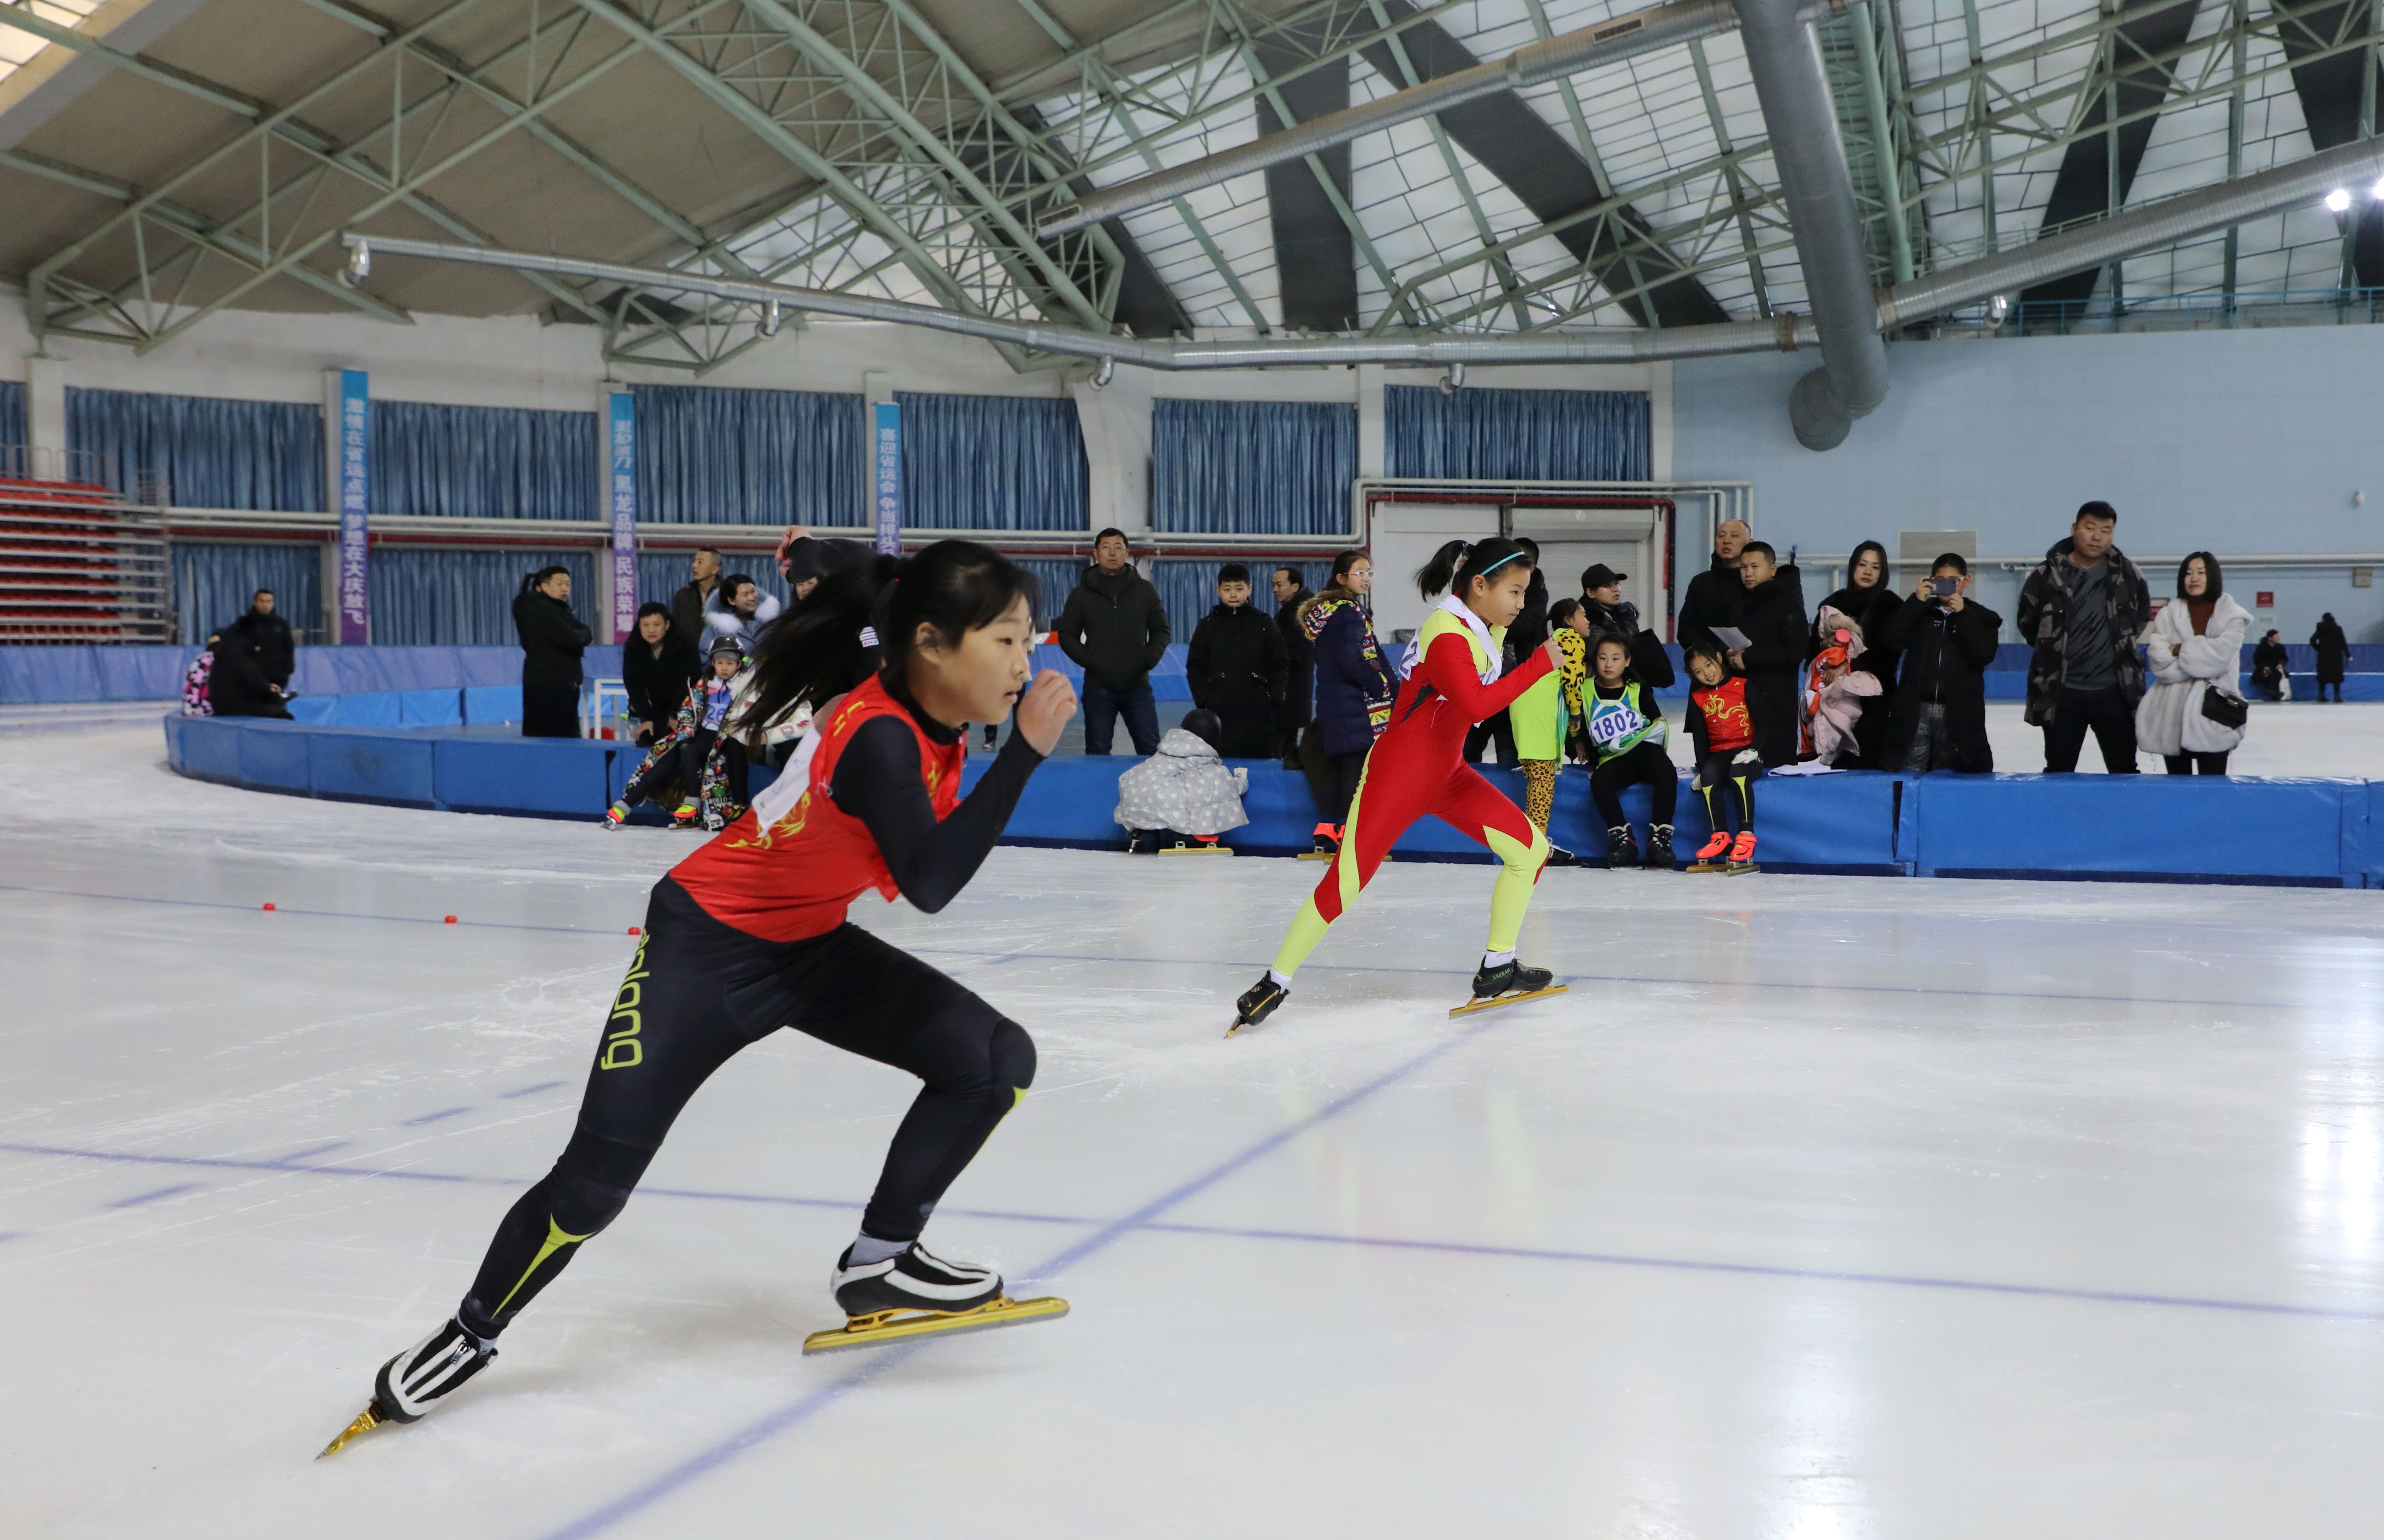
column 2194, row 645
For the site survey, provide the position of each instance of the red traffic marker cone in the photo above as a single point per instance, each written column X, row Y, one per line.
column 450, row 920
column 269, row 909
column 633, row 930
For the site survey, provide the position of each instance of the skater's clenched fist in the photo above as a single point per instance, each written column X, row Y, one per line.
column 1045, row 709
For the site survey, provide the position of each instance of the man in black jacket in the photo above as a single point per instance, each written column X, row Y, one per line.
column 1115, row 629
column 2082, row 611
column 686, row 604
column 1714, row 595
column 1947, row 643
column 1772, row 614
column 277, row 653
column 238, row 687
column 1237, row 667
column 1290, row 586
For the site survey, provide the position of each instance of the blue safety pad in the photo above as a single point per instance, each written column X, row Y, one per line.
column 430, row 708
column 273, row 755
column 355, row 765
column 557, row 776
column 492, row 703
column 210, row 747
column 324, row 709
column 2150, row 827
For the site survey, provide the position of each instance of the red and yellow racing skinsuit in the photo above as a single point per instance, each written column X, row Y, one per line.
column 1418, row 768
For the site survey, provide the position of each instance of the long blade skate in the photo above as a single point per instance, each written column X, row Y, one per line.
column 1516, row 998
column 871, row 1331
column 367, row 1419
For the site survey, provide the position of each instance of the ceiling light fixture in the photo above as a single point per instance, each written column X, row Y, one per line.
column 2338, row 201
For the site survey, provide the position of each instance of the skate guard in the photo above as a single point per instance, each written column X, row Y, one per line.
column 1496, row 1000
column 883, row 1327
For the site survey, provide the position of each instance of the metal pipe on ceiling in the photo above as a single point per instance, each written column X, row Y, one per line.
column 1610, row 41
column 1794, row 87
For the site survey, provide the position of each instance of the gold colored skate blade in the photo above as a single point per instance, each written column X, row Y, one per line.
column 1320, row 855
column 1735, row 870
column 1497, row 1000
column 1196, row 849
column 1704, row 868
column 367, row 1419
column 871, row 1331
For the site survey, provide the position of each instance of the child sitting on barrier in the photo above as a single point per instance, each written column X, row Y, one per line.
column 194, row 682
column 1182, row 797
column 1625, row 728
column 1723, row 731
column 708, row 763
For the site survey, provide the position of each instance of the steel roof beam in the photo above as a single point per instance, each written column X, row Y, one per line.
column 2338, row 92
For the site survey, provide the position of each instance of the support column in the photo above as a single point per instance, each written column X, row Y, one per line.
column 1659, row 420
column 1116, row 423
column 1371, row 455
column 877, row 390
column 46, row 411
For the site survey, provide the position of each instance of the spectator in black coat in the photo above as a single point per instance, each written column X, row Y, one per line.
column 1236, row 666
column 2270, row 664
column 1114, row 627
column 1714, row 595
column 1772, row 614
column 2081, row 612
column 1940, row 694
column 238, row 687
column 552, row 640
column 1290, row 587
column 2333, row 654
column 689, row 604
column 804, row 559
column 1604, row 614
column 1868, row 601
column 656, row 664
column 277, row 653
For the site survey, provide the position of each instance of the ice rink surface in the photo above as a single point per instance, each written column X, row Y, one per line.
column 1822, row 1208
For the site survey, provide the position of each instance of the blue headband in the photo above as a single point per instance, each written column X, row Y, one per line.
column 1496, row 564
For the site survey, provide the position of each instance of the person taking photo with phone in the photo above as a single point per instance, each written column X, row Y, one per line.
column 1947, row 640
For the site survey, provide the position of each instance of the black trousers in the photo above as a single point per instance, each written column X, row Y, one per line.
column 2111, row 720
column 1645, row 764
column 2188, row 764
column 550, row 711
column 1498, row 730
column 1729, row 790
column 697, row 992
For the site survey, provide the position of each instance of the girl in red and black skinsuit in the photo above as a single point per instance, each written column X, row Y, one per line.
column 748, row 935
column 1418, row 766
column 1723, row 728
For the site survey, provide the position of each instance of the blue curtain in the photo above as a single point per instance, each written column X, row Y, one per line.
column 426, row 596
column 707, row 456
column 214, row 454
column 992, row 463
column 215, row 580
column 483, row 462
column 12, row 414
column 1515, row 435
column 1252, row 468
column 1055, row 578
column 1188, row 589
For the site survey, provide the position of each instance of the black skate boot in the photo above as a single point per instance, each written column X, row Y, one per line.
column 411, row 1384
column 1258, row 1002
column 1621, row 852
column 1659, row 847
column 1559, row 856
column 911, row 1280
column 1508, row 978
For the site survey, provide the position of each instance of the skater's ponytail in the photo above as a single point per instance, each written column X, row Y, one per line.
column 1455, row 565
column 865, row 619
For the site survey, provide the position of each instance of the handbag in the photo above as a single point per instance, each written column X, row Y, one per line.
column 2226, row 708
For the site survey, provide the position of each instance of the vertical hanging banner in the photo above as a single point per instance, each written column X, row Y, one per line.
column 889, row 478
column 351, row 433
column 621, row 455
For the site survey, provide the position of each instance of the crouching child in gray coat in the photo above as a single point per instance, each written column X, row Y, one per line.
column 1182, row 797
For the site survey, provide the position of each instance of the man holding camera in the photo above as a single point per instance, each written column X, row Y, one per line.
column 1947, row 640
column 2082, row 611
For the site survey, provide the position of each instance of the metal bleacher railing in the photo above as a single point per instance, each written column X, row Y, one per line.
column 2196, row 312
column 79, row 561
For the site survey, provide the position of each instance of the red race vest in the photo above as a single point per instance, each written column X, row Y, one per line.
column 796, row 878
column 1728, row 726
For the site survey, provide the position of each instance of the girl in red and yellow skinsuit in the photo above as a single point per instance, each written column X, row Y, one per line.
column 1418, row 768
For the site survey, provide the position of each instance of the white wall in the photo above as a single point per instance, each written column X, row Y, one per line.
column 2241, row 442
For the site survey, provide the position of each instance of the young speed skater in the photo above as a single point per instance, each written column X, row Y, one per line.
column 1416, row 766
column 750, row 934
column 1626, row 734
column 1723, row 729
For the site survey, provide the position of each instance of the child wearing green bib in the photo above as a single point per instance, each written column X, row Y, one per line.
column 1625, row 727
